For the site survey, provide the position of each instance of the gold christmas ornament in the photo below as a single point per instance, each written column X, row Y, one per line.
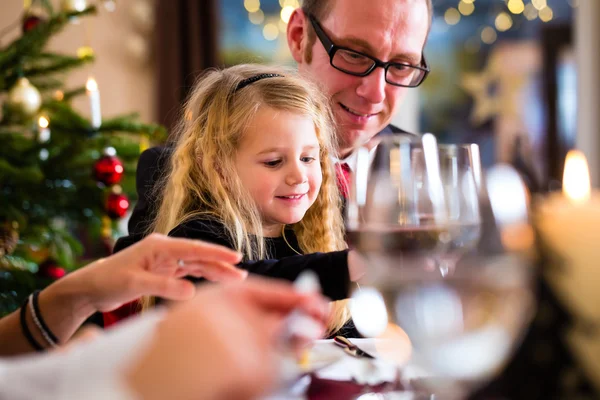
column 85, row 52
column 9, row 237
column 73, row 5
column 24, row 98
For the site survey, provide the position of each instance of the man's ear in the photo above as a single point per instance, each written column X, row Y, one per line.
column 297, row 35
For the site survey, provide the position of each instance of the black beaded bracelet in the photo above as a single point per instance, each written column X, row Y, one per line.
column 44, row 327
column 25, row 329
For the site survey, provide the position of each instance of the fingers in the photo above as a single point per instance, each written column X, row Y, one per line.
column 168, row 288
column 191, row 250
column 215, row 271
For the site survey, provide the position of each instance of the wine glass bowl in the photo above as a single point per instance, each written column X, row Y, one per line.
column 409, row 218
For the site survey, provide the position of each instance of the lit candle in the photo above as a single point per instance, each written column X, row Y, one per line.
column 43, row 129
column 570, row 225
column 94, row 95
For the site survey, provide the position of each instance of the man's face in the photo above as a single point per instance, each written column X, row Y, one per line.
column 390, row 30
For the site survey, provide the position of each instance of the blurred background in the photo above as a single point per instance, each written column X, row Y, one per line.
column 504, row 72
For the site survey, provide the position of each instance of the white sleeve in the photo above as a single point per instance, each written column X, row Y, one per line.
column 87, row 371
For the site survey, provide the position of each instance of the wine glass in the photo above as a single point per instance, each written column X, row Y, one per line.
column 449, row 333
column 460, row 171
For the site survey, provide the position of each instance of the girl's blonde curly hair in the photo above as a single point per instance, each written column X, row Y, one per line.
column 202, row 180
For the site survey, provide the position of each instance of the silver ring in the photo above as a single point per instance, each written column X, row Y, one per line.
column 180, row 263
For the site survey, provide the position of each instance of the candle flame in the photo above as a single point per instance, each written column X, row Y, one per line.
column 43, row 122
column 576, row 177
column 91, row 84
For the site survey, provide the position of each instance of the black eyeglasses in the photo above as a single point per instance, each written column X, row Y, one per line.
column 360, row 64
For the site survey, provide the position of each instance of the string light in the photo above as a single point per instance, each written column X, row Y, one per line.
column 282, row 26
column 488, row 35
column 286, row 13
column 539, row 4
column 503, row 22
column 530, row 12
column 546, row 14
column 452, row 16
column 273, row 26
column 516, row 6
column 289, row 3
column 466, row 8
column 257, row 17
column 252, row 5
column 270, row 31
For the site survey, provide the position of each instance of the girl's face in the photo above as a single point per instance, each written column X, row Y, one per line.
column 278, row 163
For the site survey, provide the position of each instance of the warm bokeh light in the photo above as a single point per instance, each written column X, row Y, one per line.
column 289, row 3
column 516, row 6
column 576, row 177
column 257, row 17
column 282, row 26
column 452, row 16
column 466, row 8
column 488, row 35
column 286, row 13
column 43, row 122
column 85, row 52
column 270, row 31
column 91, row 84
column 59, row 95
column 530, row 12
column 252, row 5
column 503, row 22
column 546, row 14
column 468, row 1
column 539, row 4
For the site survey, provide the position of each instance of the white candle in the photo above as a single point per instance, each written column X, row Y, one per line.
column 94, row 95
column 570, row 225
column 43, row 129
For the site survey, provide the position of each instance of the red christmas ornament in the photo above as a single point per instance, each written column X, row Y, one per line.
column 117, row 205
column 50, row 269
column 108, row 170
column 31, row 21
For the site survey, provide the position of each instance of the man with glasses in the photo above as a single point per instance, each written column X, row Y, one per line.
column 365, row 55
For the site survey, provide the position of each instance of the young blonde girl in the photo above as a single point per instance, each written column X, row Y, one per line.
column 203, row 197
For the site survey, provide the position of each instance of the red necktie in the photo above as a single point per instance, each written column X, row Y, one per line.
column 342, row 171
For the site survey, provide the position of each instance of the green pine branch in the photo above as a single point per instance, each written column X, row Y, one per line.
column 32, row 43
column 53, row 63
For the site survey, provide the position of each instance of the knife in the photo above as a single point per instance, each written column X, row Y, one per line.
column 350, row 347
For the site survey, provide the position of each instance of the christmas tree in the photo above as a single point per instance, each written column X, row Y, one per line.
column 62, row 186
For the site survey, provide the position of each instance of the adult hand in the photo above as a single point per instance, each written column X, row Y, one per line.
column 154, row 266
column 223, row 344
column 149, row 267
